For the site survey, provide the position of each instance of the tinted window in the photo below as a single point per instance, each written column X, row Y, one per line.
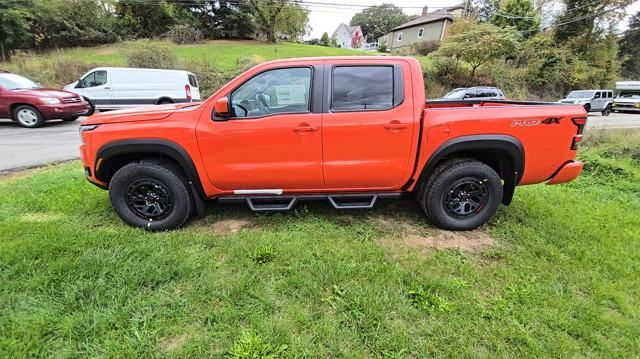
column 609, row 94
column 96, row 78
column 192, row 80
column 358, row 88
column 273, row 92
column 485, row 93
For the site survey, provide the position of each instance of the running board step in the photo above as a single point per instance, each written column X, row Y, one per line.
column 269, row 203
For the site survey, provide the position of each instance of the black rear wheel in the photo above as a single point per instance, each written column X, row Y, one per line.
column 461, row 194
column 151, row 194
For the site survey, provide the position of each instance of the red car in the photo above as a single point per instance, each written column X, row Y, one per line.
column 30, row 105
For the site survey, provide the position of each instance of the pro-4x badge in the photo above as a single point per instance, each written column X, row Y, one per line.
column 529, row 123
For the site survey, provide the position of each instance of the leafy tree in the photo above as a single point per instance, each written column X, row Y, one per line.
column 325, row 40
column 14, row 26
column 484, row 10
column 630, row 48
column 144, row 19
column 334, row 40
column 583, row 20
column 216, row 18
column 376, row 21
column 273, row 17
column 481, row 44
column 519, row 14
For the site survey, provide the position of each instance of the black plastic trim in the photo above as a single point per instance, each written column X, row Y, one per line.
column 151, row 146
column 480, row 102
column 480, row 143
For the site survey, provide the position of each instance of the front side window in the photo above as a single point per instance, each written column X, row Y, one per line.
column 357, row 88
column 273, row 92
column 94, row 79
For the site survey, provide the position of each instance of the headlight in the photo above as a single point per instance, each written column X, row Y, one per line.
column 637, row 105
column 50, row 101
column 85, row 128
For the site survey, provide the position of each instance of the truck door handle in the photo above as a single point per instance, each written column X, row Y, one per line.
column 395, row 125
column 107, row 88
column 304, row 127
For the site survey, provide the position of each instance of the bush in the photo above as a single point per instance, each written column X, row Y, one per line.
column 382, row 47
column 144, row 53
column 424, row 48
column 184, row 34
column 53, row 73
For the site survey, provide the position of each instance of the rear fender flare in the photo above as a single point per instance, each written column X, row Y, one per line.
column 507, row 149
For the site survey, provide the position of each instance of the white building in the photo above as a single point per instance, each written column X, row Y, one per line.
column 347, row 36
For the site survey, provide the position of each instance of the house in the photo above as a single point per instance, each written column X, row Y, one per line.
column 349, row 37
column 430, row 26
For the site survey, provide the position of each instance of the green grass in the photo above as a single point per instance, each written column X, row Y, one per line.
column 223, row 55
column 561, row 281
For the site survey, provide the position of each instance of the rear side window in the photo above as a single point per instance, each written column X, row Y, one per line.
column 193, row 82
column 485, row 93
column 357, row 88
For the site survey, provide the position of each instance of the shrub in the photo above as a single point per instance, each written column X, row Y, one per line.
column 184, row 34
column 424, row 48
column 382, row 47
column 147, row 54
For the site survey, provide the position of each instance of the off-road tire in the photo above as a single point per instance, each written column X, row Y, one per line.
column 28, row 116
column 587, row 107
column 433, row 195
column 168, row 178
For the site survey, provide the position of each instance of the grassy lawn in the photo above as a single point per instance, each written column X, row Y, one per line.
column 555, row 274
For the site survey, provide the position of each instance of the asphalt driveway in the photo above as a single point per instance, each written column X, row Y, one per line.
column 58, row 141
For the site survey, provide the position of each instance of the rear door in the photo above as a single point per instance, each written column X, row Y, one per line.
column 598, row 101
column 368, row 126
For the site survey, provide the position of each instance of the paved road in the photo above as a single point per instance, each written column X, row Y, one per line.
column 59, row 141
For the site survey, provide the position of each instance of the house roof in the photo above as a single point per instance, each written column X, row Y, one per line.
column 431, row 17
column 350, row 29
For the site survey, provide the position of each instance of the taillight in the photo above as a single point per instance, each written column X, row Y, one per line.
column 580, row 123
column 187, row 90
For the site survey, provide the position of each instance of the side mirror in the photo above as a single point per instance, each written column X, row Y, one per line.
column 221, row 109
column 79, row 84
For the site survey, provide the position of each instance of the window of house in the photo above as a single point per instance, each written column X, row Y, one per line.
column 400, row 36
column 273, row 92
column 420, row 32
column 358, row 88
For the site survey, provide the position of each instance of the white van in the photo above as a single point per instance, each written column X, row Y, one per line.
column 109, row 88
column 628, row 96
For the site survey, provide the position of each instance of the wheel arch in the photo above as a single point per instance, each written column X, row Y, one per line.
column 503, row 153
column 165, row 99
column 113, row 155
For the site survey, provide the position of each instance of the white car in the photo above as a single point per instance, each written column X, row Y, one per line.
column 592, row 100
column 110, row 88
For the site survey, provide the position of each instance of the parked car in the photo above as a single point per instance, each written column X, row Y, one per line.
column 350, row 130
column 628, row 98
column 109, row 88
column 592, row 100
column 473, row 93
column 30, row 105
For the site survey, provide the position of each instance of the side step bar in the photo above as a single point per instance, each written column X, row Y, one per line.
column 287, row 202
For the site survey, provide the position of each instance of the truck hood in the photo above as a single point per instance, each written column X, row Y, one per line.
column 144, row 113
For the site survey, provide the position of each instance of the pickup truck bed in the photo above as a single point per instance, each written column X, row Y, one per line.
column 351, row 130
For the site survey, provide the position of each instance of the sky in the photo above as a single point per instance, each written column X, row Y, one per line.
column 326, row 15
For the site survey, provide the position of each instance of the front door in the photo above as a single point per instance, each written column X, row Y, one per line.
column 273, row 140
column 96, row 86
column 368, row 130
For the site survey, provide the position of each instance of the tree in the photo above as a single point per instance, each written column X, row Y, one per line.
column 275, row 17
column 356, row 40
column 582, row 18
column 630, row 48
column 481, row 44
column 483, row 10
column 144, row 19
column 519, row 14
column 376, row 21
column 325, row 40
column 231, row 19
column 14, row 26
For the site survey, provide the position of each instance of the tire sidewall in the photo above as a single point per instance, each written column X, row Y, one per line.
column 178, row 191
column 436, row 193
column 39, row 122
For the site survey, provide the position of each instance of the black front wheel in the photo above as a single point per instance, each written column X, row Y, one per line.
column 461, row 195
column 151, row 194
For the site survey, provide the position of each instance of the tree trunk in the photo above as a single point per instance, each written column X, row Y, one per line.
column 4, row 58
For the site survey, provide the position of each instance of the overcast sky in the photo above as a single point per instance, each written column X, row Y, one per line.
column 326, row 17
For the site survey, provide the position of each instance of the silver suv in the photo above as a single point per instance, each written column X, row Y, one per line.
column 592, row 100
column 474, row 93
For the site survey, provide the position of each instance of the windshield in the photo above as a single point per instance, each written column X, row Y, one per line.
column 581, row 94
column 629, row 94
column 14, row 82
column 455, row 94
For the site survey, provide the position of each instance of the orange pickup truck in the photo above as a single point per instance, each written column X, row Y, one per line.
column 350, row 130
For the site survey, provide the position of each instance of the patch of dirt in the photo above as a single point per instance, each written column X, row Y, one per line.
column 225, row 226
column 172, row 343
column 423, row 236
